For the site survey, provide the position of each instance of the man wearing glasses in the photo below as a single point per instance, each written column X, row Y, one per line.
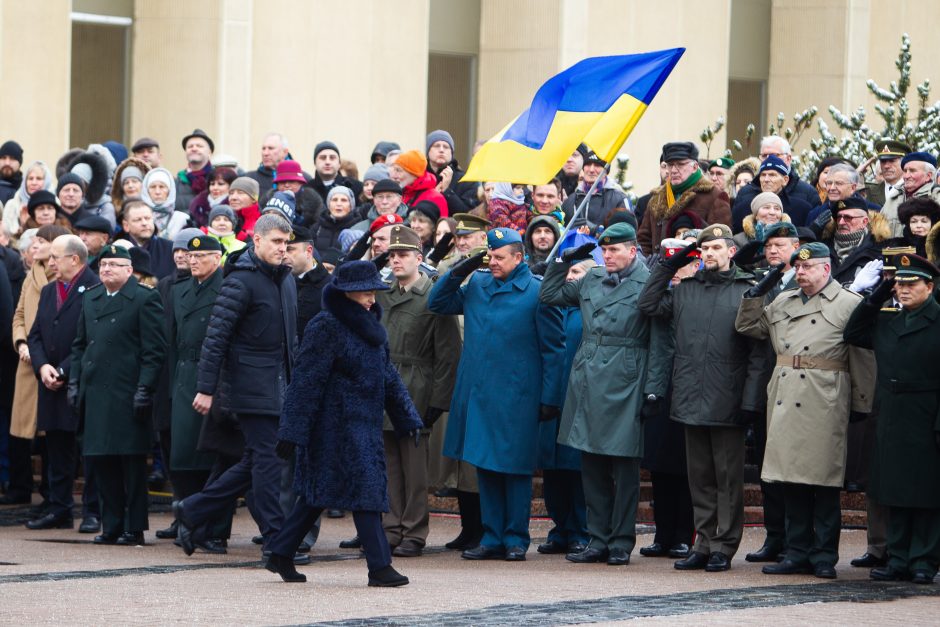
column 819, row 384
column 116, row 360
column 858, row 238
column 686, row 190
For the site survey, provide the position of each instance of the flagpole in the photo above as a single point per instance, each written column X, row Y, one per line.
column 581, row 208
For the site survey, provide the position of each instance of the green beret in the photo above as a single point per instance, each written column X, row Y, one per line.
column 914, row 268
column 812, row 250
column 113, row 251
column 721, row 162
column 713, row 232
column 618, row 233
column 781, row 229
column 204, row 243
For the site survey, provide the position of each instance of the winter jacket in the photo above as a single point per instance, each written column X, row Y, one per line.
column 249, row 345
column 716, row 372
column 868, row 249
column 502, row 213
column 328, row 228
column 189, row 184
column 796, row 189
column 310, row 296
column 309, row 205
column 604, row 200
column 317, row 185
column 703, row 199
column 161, row 255
column 14, row 210
column 9, row 186
column 25, row 392
column 343, row 382
column 461, row 196
column 424, row 188
column 890, row 209
column 532, row 256
column 247, row 216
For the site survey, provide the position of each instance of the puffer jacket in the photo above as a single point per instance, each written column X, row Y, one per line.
column 252, row 334
column 328, row 228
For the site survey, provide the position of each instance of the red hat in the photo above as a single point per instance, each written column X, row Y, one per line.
column 383, row 221
column 289, row 171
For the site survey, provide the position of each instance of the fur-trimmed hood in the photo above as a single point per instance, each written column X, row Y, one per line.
column 751, row 162
column 877, row 224
column 99, row 176
column 117, row 190
column 658, row 205
column 750, row 229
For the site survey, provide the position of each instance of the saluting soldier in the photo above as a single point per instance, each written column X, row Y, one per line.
column 905, row 473
column 819, row 384
column 116, row 359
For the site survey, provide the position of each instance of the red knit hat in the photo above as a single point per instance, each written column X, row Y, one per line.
column 412, row 162
column 383, row 221
column 289, row 170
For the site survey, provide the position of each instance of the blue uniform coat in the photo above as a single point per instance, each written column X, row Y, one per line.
column 552, row 455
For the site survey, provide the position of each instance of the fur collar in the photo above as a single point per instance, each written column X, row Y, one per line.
column 365, row 324
column 657, row 203
column 747, row 225
column 933, row 243
column 877, row 224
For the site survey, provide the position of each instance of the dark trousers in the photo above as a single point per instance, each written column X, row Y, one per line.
column 773, row 505
column 814, row 521
column 715, row 459
column 221, row 527
column 914, row 539
column 611, row 495
column 471, row 521
column 289, row 497
column 563, row 492
column 258, row 469
column 505, row 504
column 368, row 528
column 90, row 504
column 672, row 509
column 122, row 492
column 63, row 457
column 20, row 452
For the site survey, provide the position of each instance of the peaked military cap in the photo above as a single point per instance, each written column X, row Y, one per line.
column 891, row 149
column 468, row 223
column 914, row 268
column 404, row 238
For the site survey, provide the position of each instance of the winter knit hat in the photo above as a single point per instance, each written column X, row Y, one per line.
column 283, row 203
column 383, row 148
column 324, row 145
column 131, row 172
column 70, row 179
column 247, row 185
column 377, row 172
column 439, row 136
column 83, row 171
column 341, row 189
column 181, row 241
column 222, row 210
column 12, row 149
column 412, row 162
column 765, row 198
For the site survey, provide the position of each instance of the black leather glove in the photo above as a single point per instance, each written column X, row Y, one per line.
column 466, row 267
column 819, row 224
column 431, row 415
column 767, row 283
column 747, row 255
column 284, row 449
column 548, row 412
column 143, row 402
column 380, row 261
column 881, row 293
column 857, row 416
column 582, row 252
column 682, row 258
column 652, row 407
column 360, row 248
column 441, row 248
column 72, row 395
column 539, row 268
column 749, row 416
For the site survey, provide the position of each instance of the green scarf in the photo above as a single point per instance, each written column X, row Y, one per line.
column 682, row 187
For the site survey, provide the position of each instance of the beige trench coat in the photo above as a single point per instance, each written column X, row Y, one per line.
column 808, row 407
column 25, row 396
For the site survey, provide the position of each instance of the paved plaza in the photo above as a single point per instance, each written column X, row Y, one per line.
column 60, row 577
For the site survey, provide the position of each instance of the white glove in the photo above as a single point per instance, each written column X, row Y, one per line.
column 868, row 276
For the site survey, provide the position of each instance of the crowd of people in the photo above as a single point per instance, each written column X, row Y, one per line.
column 328, row 343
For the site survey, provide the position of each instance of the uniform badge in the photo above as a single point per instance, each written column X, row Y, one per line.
column 292, row 237
column 605, row 240
column 804, row 254
column 884, row 149
column 905, row 261
column 197, row 243
column 716, row 232
column 460, row 225
column 81, row 289
column 113, row 250
column 841, row 205
column 397, row 229
column 499, row 234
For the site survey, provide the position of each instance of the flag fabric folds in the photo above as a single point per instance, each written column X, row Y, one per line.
column 597, row 101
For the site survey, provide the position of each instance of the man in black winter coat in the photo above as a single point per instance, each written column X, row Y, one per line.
column 327, row 174
column 311, row 277
column 246, row 358
column 461, row 195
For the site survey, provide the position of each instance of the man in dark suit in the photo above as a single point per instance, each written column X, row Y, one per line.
column 50, row 343
column 117, row 355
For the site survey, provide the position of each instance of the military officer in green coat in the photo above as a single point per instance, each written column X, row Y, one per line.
column 905, row 472
column 193, row 298
column 622, row 365
column 117, row 355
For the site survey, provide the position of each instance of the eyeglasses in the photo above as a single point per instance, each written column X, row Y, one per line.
column 113, row 264
column 678, row 165
column 806, row 265
column 844, row 218
column 203, row 254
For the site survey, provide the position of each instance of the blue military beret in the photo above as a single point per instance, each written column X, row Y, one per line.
column 919, row 156
column 499, row 237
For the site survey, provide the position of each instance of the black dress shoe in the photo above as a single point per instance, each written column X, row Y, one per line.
column 464, row 540
column 184, row 532
column 654, row 550
column 618, row 557
column 300, row 559
column 887, row 573
column 352, row 543
column 40, row 509
column 718, row 562
column 922, row 577
column 15, row 499
column 576, row 547
column 106, row 538
column 90, row 524
column 825, row 570
column 304, row 547
column 853, row 486
column 588, row 556
column 212, row 546
column 284, row 566
column 515, row 554
column 258, row 539
column 407, row 550
column 868, row 561
column 764, row 554
column 387, row 577
column 695, row 561
column 551, row 548
column 51, row 521
column 787, row 567
column 335, row 513
column 128, row 538
column 484, row 553
column 680, row 550
column 169, row 533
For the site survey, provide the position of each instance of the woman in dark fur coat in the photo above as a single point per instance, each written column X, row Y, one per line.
column 343, row 382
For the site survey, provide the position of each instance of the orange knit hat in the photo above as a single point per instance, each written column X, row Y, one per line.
column 412, row 162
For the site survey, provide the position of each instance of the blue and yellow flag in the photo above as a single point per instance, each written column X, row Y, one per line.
column 597, row 101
